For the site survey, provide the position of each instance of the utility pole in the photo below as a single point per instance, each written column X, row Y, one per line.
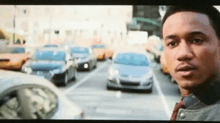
column 50, row 39
column 14, row 25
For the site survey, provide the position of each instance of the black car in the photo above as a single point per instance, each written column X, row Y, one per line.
column 54, row 64
column 50, row 45
column 85, row 57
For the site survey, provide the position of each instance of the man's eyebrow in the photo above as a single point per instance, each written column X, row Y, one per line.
column 196, row 33
column 170, row 37
column 188, row 34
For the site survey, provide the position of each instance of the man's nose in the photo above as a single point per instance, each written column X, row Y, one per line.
column 184, row 52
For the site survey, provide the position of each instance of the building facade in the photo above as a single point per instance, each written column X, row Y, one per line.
column 55, row 24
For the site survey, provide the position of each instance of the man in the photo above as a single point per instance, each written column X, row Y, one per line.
column 191, row 38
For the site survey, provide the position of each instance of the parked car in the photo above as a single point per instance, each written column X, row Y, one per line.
column 85, row 57
column 25, row 96
column 99, row 50
column 51, row 45
column 130, row 70
column 13, row 57
column 54, row 64
column 154, row 46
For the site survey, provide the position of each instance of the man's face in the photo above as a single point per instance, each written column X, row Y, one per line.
column 191, row 48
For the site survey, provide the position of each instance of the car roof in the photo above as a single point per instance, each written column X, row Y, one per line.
column 80, row 46
column 52, row 49
column 9, row 79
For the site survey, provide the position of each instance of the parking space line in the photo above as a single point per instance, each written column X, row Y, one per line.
column 84, row 79
column 168, row 113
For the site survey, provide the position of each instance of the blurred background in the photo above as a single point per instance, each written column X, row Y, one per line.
column 56, row 24
column 54, row 42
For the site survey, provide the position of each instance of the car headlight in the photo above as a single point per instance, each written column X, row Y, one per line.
column 27, row 70
column 113, row 72
column 58, row 70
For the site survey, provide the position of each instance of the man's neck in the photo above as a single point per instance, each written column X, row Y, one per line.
column 187, row 92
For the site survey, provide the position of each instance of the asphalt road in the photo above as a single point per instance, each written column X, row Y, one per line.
column 89, row 92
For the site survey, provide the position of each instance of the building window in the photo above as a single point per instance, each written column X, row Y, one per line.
column 57, row 32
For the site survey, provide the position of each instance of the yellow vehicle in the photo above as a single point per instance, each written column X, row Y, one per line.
column 13, row 57
column 163, row 64
column 164, row 67
column 101, row 51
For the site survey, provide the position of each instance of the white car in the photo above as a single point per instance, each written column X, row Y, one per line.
column 25, row 96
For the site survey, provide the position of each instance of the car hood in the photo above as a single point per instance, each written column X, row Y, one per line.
column 79, row 55
column 45, row 65
column 131, row 70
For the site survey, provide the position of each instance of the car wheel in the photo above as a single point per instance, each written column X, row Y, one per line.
column 65, row 79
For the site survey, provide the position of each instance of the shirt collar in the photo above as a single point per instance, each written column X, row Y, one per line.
column 207, row 96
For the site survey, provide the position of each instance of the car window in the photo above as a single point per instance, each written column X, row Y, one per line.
column 28, row 103
column 131, row 59
column 49, row 55
column 79, row 50
column 10, row 107
column 14, row 50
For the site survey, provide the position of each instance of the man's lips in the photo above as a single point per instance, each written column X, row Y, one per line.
column 185, row 70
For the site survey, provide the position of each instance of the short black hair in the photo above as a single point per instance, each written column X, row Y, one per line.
column 212, row 13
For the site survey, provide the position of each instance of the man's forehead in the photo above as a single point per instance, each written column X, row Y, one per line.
column 187, row 16
column 186, row 22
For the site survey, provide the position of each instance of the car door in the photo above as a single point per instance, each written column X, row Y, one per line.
column 28, row 102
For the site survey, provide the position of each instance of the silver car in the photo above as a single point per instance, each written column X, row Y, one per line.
column 130, row 70
column 25, row 96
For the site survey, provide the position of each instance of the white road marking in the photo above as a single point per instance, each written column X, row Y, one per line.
column 168, row 113
column 84, row 79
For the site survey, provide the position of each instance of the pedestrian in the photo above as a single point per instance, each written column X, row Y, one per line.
column 191, row 38
column 24, row 41
column 18, row 41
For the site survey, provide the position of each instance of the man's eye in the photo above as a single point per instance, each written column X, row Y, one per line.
column 197, row 41
column 172, row 44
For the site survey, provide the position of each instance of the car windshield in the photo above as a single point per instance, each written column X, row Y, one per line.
column 14, row 50
column 50, row 55
column 98, row 46
column 131, row 59
column 80, row 50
